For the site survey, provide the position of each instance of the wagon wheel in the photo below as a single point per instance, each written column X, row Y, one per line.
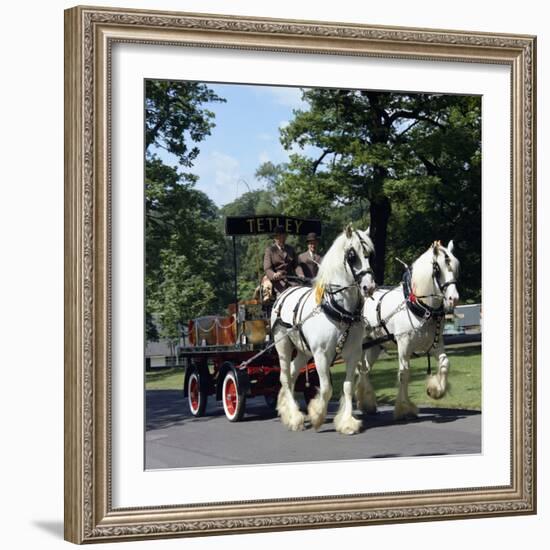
column 233, row 401
column 196, row 393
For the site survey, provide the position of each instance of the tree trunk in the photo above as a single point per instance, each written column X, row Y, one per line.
column 380, row 210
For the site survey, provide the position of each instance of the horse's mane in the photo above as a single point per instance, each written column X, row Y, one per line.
column 332, row 263
column 422, row 270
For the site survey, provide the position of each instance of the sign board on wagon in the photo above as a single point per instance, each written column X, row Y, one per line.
column 259, row 225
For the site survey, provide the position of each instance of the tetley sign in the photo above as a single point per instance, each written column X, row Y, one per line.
column 257, row 225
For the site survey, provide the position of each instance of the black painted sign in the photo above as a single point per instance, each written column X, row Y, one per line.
column 259, row 225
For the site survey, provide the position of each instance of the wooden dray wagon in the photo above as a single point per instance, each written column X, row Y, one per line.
column 231, row 357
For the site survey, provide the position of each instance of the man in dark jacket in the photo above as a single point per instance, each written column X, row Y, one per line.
column 279, row 261
column 308, row 261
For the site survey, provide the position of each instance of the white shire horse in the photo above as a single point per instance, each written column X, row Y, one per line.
column 323, row 322
column 411, row 315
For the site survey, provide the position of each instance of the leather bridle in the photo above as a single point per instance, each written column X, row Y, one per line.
column 437, row 273
column 350, row 258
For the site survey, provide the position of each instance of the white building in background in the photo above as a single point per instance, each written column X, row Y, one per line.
column 159, row 354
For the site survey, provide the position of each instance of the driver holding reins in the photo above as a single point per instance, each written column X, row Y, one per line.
column 280, row 261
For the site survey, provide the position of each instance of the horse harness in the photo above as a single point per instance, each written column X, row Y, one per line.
column 350, row 258
column 333, row 310
column 330, row 307
column 298, row 308
column 416, row 306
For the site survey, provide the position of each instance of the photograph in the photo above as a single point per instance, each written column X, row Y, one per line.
column 312, row 274
column 300, row 274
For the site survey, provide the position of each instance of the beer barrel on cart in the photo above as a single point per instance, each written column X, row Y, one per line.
column 227, row 331
column 212, row 330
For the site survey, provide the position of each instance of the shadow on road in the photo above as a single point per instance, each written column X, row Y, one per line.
column 165, row 408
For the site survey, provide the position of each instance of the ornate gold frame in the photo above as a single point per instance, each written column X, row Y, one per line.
column 89, row 35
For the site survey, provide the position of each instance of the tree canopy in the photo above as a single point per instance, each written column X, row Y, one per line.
column 408, row 165
column 184, row 247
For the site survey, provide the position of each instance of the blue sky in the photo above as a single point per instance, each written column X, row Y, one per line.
column 246, row 135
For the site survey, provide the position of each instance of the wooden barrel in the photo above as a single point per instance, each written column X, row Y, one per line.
column 227, row 331
column 205, row 330
column 213, row 330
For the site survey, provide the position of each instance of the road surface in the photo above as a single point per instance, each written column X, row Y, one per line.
column 174, row 439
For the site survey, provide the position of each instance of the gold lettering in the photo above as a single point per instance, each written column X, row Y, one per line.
column 251, row 224
column 298, row 225
column 288, row 221
column 260, row 224
column 271, row 224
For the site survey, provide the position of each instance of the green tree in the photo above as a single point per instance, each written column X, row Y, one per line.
column 439, row 196
column 176, row 118
column 175, row 302
column 184, row 247
column 249, row 249
column 374, row 155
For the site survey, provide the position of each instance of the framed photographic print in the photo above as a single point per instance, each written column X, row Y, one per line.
column 300, row 274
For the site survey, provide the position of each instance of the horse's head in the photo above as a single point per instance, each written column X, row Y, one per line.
column 445, row 273
column 358, row 250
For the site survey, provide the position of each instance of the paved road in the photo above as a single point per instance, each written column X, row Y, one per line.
column 174, row 439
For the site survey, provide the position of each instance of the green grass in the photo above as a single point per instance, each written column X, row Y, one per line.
column 464, row 389
column 464, row 379
column 165, row 379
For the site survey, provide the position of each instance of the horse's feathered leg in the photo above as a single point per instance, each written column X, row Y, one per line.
column 403, row 405
column 287, row 407
column 344, row 421
column 317, row 407
column 364, row 392
column 296, row 365
column 436, row 385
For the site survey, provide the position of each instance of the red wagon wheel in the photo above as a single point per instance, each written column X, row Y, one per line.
column 196, row 394
column 233, row 401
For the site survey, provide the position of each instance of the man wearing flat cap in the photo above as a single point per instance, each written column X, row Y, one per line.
column 279, row 261
column 308, row 261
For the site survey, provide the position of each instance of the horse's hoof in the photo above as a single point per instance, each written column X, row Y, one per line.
column 296, row 428
column 350, row 426
column 296, row 424
column 434, row 388
column 435, row 393
column 367, row 409
column 405, row 411
column 317, row 412
column 316, row 423
column 351, row 430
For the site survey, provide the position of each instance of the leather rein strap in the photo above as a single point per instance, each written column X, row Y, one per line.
column 333, row 310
